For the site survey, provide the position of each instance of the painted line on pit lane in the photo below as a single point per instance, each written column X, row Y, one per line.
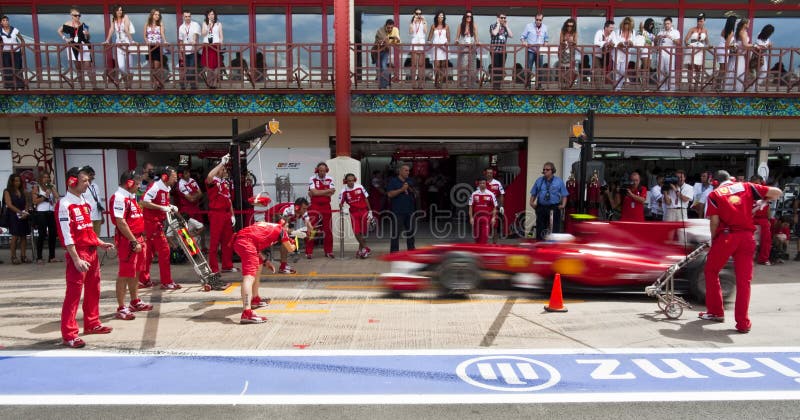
column 380, row 301
column 400, row 376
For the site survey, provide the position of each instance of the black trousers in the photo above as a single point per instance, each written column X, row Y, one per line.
column 46, row 225
column 408, row 231
column 543, row 227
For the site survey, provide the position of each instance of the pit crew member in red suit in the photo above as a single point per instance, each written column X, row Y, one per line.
column 294, row 217
column 761, row 219
column 572, row 202
column 220, row 217
column 321, row 188
column 482, row 212
column 129, row 240
column 634, row 200
column 83, row 268
column 593, row 195
column 496, row 187
column 248, row 244
column 189, row 195
column 730, row 208
column 360, row 212
column 155, row 205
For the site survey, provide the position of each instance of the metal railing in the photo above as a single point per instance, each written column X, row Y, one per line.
column 67, row 67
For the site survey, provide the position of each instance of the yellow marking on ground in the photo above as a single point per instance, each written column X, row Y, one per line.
column 231, row 288
column 291, row 305
column 312, row 273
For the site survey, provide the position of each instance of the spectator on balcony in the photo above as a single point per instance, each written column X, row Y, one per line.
column 668, row 39
column 155, row 38
column 722, row 51
column 239, row 67
column 418, row 30
column 122, row 31
column 737, row 63
column 500, row 34
column 534, row 36
column 76, row 34
column 211, row 57
column 646, row 39
column 188, row 38
column 385, row 38
column 438, row 36
column 467, row 38
column 12, row 55
column 566, row 53
column 604, row 41
column 758, row 60
column 697, row 42
column 624, row 51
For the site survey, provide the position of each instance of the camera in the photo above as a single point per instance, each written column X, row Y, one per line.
column 669, row 181
column 624, row 186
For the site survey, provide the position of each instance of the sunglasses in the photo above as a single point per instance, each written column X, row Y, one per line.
column 78, row 15
column 502, row 18
column 538, row 20
column 469, row 16
column 418, row 14
column 547, row 170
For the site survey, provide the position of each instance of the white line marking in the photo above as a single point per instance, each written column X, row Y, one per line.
column 486, row 371
column 246, row 383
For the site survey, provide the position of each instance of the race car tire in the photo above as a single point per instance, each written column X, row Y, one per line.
column 697, row 282
column 458, row 273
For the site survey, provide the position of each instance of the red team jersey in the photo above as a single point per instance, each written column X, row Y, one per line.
column 356, row 197
column 262, row 236
column 733, row 203
column 496, row 187
column 158, row 193
column 320, row 184
column 482, row 202
column 74, row 219
column 187, row 188
column 219, row 194
column 123, row 205
column 633, row 210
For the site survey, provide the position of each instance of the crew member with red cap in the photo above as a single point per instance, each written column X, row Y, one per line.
column 321, row 188
column 155, row 204
column 482, row 212
column 129, row 240
column 730, row 208
column 83, row 268
column 248, row 244
column 220, row 217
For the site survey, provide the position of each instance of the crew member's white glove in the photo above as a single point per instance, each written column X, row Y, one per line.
column 233, row 221
column 299, row 233
column 225, row 159
column 370, row 217
column 502, row 210
column 173, row 209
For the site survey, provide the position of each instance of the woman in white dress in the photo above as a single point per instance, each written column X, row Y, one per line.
column 737, row 64
column 467, row 38
column 759, row 59
column 721, row 54
column 76, row 34
column 696, row 42
column 418, row 29
column 623, row 53
column 122, row 31
column 439, row 36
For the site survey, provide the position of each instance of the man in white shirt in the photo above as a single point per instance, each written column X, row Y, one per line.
column 655, row 200
column 188, row 37
column 701, row 191
column 604, row 41
column 534, row 36
column 93, row 198
column 676, row 198
column 668, row 38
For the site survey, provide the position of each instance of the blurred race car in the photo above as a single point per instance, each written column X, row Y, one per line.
column 597, row 256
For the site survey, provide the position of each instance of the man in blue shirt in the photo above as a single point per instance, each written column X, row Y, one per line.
column 403, row 203
column 548, row 196
column 534, row 36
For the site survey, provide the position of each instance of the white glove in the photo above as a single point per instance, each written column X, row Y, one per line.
column 166, row 209
column 370, row 217
column 299, row 233
column 233, row 221
column 502, row 210
column 225, row 159
column 173, row 209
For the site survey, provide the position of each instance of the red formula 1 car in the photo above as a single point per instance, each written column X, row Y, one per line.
column 597, row 256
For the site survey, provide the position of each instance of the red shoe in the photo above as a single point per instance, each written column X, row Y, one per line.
column 139, row 306
column 124, row 313
column 330, row 255
column 98, row 329
column 710, row 317
column 309, row 256
column 145, row 285
column 248, row 317
column 171, row 286
column 259, row 302
column 75, row 343
column 367, row 251
column 287, row 269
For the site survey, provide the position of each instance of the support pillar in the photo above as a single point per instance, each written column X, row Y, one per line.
column 341, row 11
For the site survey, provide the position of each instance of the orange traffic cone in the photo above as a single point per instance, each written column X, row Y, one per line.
column 556, row 303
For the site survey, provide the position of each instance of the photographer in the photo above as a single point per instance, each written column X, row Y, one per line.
column 677, row 194
column 44, row 197
column 387, row 36
column 633, row 197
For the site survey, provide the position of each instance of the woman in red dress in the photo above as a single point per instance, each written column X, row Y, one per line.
column 211, row 37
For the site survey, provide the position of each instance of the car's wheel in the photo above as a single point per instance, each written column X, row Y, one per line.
column 697, row 282
column 458, row 273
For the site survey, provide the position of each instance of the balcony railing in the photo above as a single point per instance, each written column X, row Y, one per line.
column 44, row 67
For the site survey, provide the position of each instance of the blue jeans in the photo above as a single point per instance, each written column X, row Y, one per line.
column 531, row 64
column 12, row 70
column 190, row 65
column 384, row 71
